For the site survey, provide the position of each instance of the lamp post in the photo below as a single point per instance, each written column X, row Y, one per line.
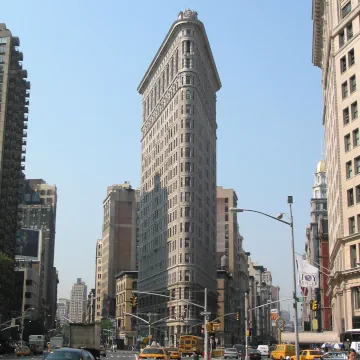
column 22, row 323
column 291, row 224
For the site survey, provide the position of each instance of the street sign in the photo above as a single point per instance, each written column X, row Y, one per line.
column 205, row 313
column 301, row 299
column 280, row 323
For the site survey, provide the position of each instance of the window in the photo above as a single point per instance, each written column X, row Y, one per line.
column 347, row 142
column 357, row 194
column 351, row 57
column 356, row 137
column 357, row 165
column 348, row 170
column 187, row 275
column 187, row 258
column 353, row 256
column 186, row 293
column 226, row 217
column 355, row 295
column 349, row 31
column 187, row 137
column 341, row 39
column 352, row 230
column 344, row 90
column 354, row 110
column 29, row 282
column 187, row 63
column 3, row 40
column 346, row 116
column 350, row 197
column 187, row 80
column 353, row 83
column 343, row 64
column 346, row 10
column 187, row 242
column 188, row 108
column 188, row 94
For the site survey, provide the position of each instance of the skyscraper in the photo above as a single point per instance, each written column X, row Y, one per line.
column 118, row 249
column 78, row 299
column 178, row 176
column 336, row 53
column 38, row 212
column 98, row 307
column 62, row 311
column 14, row 94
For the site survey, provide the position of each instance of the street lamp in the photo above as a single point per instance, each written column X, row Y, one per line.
column 22, row 322
column 291, row 224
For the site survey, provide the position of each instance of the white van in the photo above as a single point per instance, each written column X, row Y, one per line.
column 264, row 349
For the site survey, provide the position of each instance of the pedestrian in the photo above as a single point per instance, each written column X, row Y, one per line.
column 352, row 354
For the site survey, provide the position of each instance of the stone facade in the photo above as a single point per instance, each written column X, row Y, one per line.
column 336, row 52
column 78, row 299
column 178, row 175
column 126, row 282
column 119, row 242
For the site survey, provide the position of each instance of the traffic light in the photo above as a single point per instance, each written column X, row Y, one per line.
column 215, row 327
column 248, row 332
column 209, row 326
column 315, row 305
column 131, row 301
column 237, row 316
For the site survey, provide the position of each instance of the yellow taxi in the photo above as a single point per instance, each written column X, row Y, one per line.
column 154, row 352
column 308, row 355
column 282, row 351
column 23, row 351
column 174, row 353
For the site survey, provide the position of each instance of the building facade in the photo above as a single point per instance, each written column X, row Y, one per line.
column 63, row 311
column 14, row 101
column 38, row 212
column 316, row 249
column 336, row 53
column 229, row 243
column 98, row 274
column 78, row 299
column 119, row 241
column 90, row 307
column 178, row 176
column 126, row 283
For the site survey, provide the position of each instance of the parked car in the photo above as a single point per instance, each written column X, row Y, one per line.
column 231, row 353
column 336, row 355
column 254, row 354
column 308, row 355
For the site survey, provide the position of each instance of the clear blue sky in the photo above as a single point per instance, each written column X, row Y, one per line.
column 85, row 60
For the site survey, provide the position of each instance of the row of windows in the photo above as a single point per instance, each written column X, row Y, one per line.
column 346, row 34
column 349, row 167
column 355, row 140
column 350, row 196
column 345, row 87
column 354, row 113
column 347, row 62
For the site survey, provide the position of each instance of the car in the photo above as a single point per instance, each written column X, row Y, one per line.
column 23, row 351
column 231, row 353
column 254, row 354
column 69, row 354
column 174, row 353
column 153, row 352
column 264, row 349
column 308, row 355
column 338, row 355
column 102, row 351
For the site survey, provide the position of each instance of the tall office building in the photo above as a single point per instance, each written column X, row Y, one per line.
column 337, row 53
column 38, row 212
column 78, row 301
column 178, row 176
column 119, row 237
column 229, row 244
column 98, row 307
column 14, row 99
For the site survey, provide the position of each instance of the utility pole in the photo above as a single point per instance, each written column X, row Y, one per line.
column 149, row 324
column 206, row 340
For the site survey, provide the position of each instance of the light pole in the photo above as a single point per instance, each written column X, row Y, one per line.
column 291, row 224
column 22, row 323
column 204, row 313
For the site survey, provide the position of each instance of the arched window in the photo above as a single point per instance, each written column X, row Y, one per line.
column 188, row 95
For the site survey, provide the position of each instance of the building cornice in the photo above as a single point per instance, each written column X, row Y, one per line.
column 163, row 48
column 317, row 44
